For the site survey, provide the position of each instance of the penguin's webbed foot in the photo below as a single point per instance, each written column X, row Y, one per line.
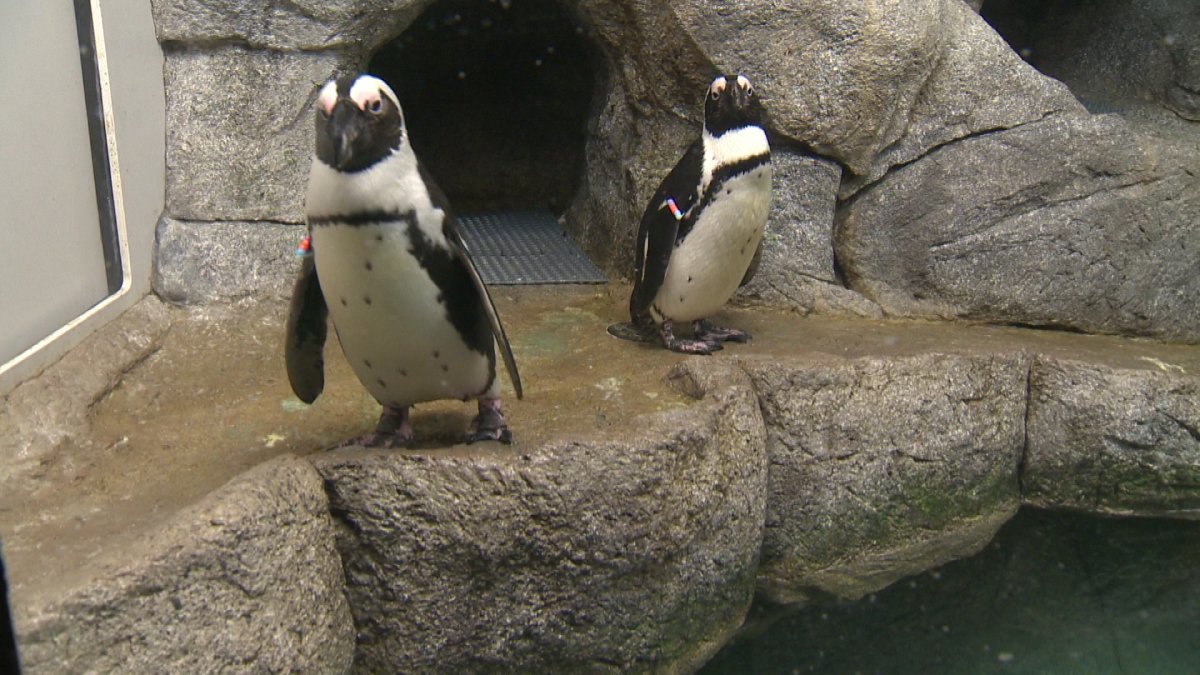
column 666, row 334
column 633, row 332
column 706, row 331
column 393, row 431
column 489, row 424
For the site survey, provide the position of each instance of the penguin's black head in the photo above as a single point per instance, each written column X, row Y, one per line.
column 731, row 104
column 359, row 122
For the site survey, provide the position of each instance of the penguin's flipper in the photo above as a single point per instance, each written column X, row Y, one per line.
column 459, row 247
column 753, row 268
column 460, row 251
column 306, row 331
column 664, row 222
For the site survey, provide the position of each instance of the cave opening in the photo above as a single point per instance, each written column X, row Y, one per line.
column 497, row 96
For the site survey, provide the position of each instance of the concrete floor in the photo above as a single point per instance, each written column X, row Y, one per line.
column 214, row 401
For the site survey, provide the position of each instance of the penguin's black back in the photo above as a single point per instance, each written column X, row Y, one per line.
column 659, row 230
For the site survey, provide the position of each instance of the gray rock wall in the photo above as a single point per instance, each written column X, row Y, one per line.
column 1070, row 222
column 967, row 184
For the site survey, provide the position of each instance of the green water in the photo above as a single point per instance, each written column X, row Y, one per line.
column 1053, row 593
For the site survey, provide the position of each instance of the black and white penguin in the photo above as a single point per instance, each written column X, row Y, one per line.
column 413, row 317
column 701, row 234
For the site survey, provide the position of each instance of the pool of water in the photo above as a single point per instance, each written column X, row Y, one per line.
column 1053, row 593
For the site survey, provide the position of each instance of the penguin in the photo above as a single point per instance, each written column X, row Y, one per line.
column 388, row 265
column 700, row 237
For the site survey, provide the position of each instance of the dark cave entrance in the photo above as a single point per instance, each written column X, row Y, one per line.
column 497, row 96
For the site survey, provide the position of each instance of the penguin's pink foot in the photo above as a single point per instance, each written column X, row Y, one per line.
column 705, row 331
column 393, row 431
column 666, row 334
column 489, row 424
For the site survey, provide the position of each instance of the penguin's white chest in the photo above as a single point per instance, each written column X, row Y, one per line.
column 391, row 317
column 704, row 271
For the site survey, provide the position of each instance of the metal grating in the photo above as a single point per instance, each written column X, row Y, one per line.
column 526, row 247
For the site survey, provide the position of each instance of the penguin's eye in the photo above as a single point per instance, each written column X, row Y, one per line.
column 375, row 106
column 717, row 88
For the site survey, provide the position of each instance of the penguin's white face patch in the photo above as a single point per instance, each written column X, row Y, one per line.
column 368, row 92
column 744, row 83
column 328, row 97
column 717, row 88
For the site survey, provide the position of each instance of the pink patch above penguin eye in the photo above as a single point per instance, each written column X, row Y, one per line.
column 327, row 98
column 718, row 86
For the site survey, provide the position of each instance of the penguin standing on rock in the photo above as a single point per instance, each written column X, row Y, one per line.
column 701, row 234
column 387, row 262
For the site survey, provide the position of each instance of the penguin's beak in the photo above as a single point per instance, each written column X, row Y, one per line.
column 741, row 97
column 345, row 126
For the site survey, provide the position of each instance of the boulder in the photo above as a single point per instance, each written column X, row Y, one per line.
column 198, row 262
column 248, row 577
column 875, row 87
column 1074, row 222
column 629, row 553
column 840, row 76
column 296, row 25
column 797, row 268
column 979, row 86
column 1114, row 440
column 882, row 468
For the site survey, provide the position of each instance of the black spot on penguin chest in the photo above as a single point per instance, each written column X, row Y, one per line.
column 457, row 292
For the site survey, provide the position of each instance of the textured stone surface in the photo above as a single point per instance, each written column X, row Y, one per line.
column 873, row 86
column 823, row 80
column 1068, row 222
column 978, row 86
column 649, row 113
column 249, row 578
column 44, row 413
column 205, row 261
column 881, row 468
column 294, row 25
column 1114, row 440
column 797, row 268
column 239, row 131
column 632, row 553
column 1112, row 51
column 989, row 176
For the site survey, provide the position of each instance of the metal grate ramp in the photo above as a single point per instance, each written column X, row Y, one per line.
column 526, row 247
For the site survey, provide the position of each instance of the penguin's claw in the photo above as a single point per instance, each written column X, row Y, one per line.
column 705, row 330
column 489, row 424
